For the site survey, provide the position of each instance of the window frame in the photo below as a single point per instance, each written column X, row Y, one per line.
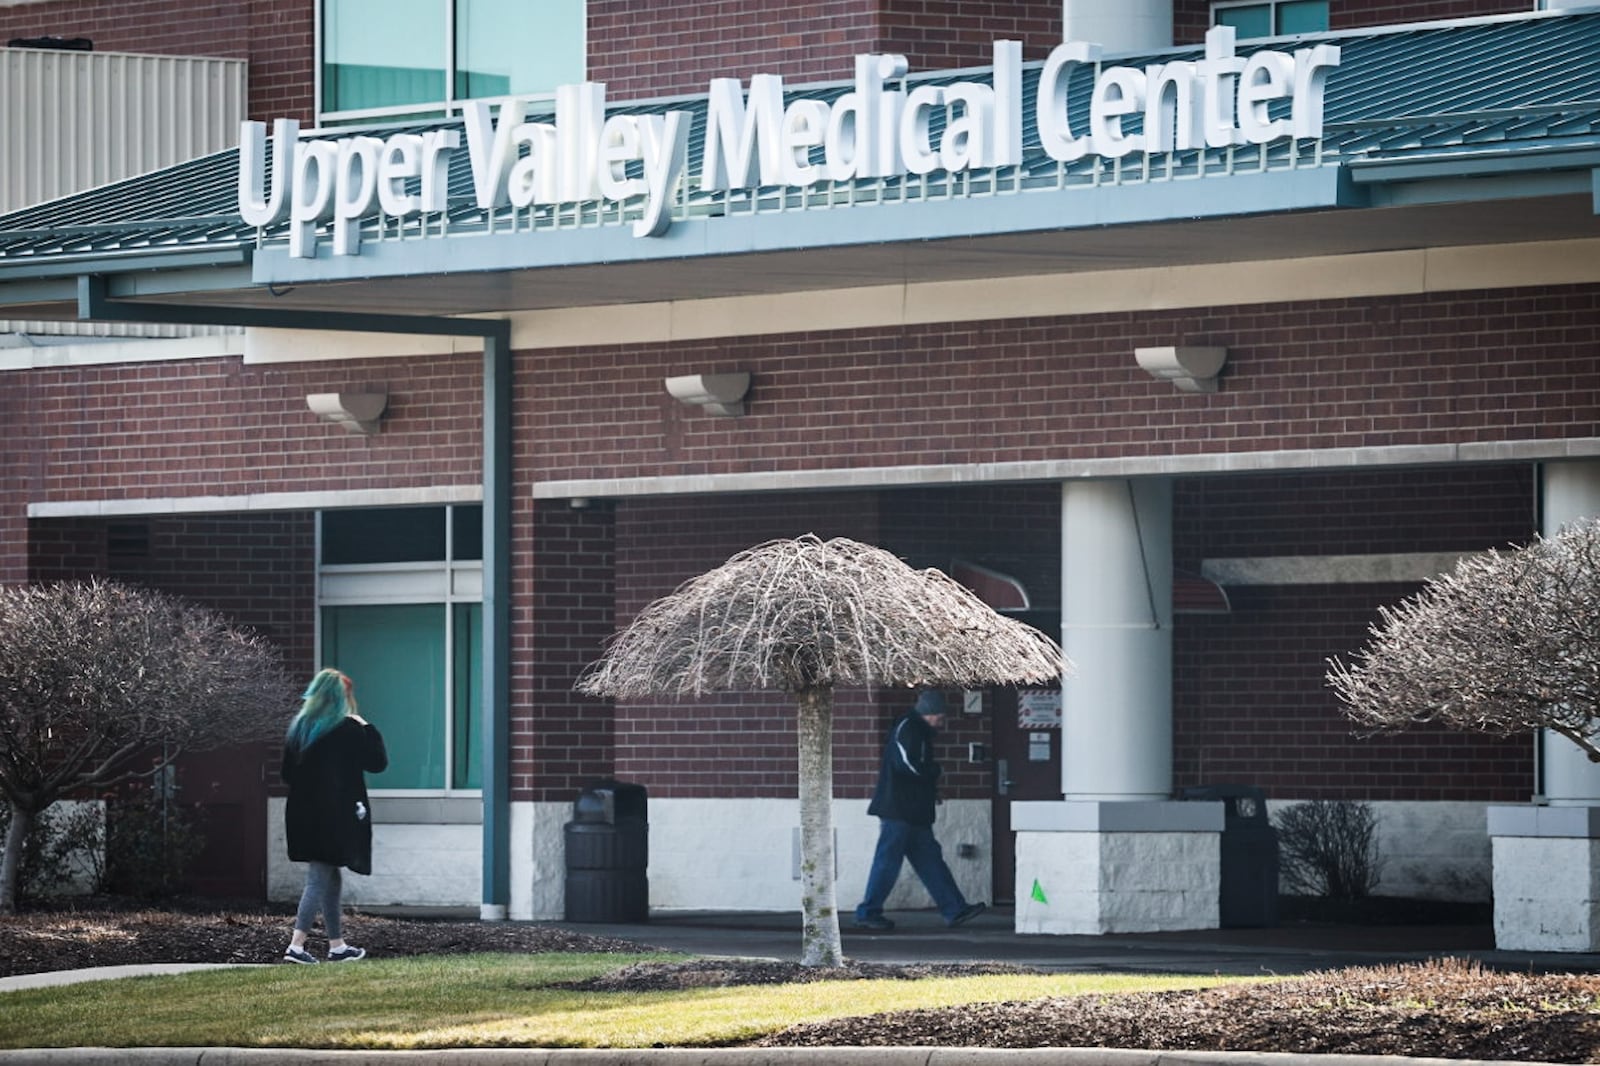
column 449, row 107
column 444, row 584
column 1272, row 14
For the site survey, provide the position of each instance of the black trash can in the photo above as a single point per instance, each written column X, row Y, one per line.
column 1249, row 855
column 608, row 854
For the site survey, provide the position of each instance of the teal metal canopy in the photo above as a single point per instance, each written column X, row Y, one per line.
column 1516, row 99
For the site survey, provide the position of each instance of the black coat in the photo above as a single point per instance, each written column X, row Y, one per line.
column 328, row 817
column 908, row 776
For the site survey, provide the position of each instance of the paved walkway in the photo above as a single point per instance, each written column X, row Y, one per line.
column 919, row 937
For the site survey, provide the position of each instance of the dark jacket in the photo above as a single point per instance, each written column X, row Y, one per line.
column 328, row 817
column 908, row 777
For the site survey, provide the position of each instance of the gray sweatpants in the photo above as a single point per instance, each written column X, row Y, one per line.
column 324, row 886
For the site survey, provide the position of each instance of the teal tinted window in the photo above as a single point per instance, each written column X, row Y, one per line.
column 467, row 754
column 506, row 47
column 466, row 532
column 381, row 53
column 395, row 654
column 1252, row 21
column 383, row 535
column 415, row 57
column 1273, row 19
column 1303, row 16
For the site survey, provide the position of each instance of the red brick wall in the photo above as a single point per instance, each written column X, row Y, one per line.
column 1405, row 370
column 15, row 401
column 215, row 427
column 277, row 38
column 935, row 35
column 662, row 51
column 564, row 600
column 1250, row 702
column 257, row 570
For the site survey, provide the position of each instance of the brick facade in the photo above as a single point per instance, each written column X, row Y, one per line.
column 216, row 427
column 278, row 39
column 1405, row 370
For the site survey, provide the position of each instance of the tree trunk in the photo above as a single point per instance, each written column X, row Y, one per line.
column 819, row 943
column 11, row 861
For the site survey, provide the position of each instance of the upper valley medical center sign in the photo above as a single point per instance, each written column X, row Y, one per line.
column 753, row 140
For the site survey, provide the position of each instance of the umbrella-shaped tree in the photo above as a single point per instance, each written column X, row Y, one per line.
column 805, row 616
column 1505, row 643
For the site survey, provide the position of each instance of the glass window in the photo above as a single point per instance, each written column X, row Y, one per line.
column 383, row 535
column 380, row 53
column 1274, row 18
column 1303, row 16
column 1252, row 21
column 407, row 625
column 512, row 47
column 406, row 58
column 395, row 656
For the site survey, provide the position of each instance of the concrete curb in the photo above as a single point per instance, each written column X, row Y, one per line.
column 833, row 1056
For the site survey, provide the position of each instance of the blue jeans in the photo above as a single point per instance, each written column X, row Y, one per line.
column 898, row 841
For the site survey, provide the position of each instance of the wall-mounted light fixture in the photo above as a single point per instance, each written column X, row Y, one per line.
column 1190, row 369
column 356, row 412
column 719, row 394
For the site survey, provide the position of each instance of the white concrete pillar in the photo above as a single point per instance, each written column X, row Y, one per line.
column 1116, row 627
column 1569, row 491
column 1118, row 25
column 1547, row 858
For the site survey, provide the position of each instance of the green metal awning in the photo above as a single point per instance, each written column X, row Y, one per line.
column 1423, row 124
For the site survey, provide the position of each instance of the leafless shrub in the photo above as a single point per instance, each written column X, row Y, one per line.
column 1328, row 848
column 1507, row 642
column 807, row 613
column 100, row 682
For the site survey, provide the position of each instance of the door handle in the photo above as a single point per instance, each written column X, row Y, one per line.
column 1002, row 777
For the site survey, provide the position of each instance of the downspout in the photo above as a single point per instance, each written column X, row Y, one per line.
column 496, row 622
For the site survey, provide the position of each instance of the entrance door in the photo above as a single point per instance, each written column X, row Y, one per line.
column 227, row 791
column 1027, row 766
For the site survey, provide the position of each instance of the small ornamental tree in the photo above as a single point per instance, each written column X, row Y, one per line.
column 804, row 616
column 1507, row 642
column 101, row 682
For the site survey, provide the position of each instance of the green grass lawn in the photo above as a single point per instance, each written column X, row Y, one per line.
column 474, row 1001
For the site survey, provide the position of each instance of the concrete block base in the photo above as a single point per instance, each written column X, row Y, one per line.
column 1546, row 890
column 1080, row 872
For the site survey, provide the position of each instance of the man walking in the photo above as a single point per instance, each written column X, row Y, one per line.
column 904, row 800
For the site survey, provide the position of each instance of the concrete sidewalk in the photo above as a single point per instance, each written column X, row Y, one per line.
column 920, row 936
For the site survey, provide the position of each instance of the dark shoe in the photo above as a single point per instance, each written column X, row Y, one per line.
column 969, row 912
column 876, row 921
column 300, row 955
column 347, row 954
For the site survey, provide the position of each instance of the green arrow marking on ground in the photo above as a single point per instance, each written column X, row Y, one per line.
column 1038, row 891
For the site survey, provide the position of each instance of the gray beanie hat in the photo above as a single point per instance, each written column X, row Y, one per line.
column 929, row 702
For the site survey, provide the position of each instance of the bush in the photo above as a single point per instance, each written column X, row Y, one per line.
column 63, row 849
column 151, row 841
column 1328, row 848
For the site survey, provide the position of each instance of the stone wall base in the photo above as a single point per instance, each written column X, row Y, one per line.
column 1129, row 867
column 1546, row 892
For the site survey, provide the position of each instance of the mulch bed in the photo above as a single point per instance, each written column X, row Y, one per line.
column 1444, row 1009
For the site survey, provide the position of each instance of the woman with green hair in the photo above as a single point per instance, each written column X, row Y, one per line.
column 328, row 818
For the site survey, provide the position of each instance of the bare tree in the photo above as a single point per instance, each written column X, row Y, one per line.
column 100, row 682
column 805, row 616
column 1507, row 642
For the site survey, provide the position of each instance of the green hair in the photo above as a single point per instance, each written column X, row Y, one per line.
column 328, row 700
